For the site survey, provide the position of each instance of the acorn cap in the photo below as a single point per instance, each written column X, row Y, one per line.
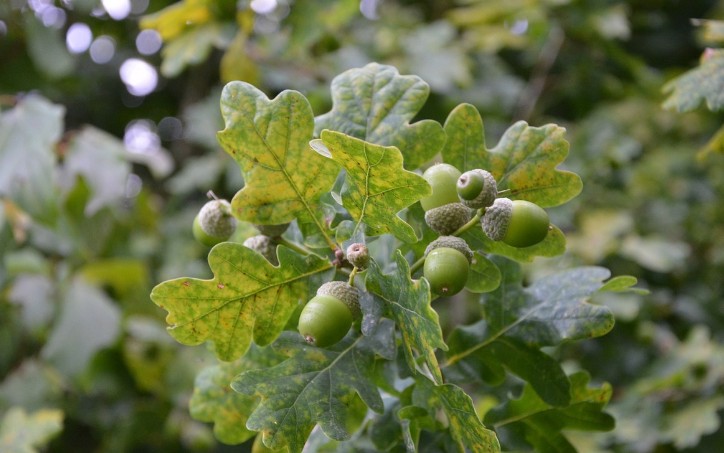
column 265, row 246
column 497, row 218
column 344, row 292
column 452, row 242
column 215, row 219
column 358, row 255
column 477, row 188
column 272, row 230
column 446, row 219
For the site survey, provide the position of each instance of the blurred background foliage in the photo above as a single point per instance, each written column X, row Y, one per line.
column 108, row 117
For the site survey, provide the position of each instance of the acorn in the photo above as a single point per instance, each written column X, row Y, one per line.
column 328, row 316
column 477, row 188
column 214, row 223
column 518, row 223
column 446, row 219
column 265, row 246
column 446, row 269
column 442, row 178
column 452, row 242
column 358, row 255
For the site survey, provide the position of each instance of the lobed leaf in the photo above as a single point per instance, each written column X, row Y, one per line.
column 702, row 84
column 26, row 433
column 376, row 186
column 314, row 386
column 524, row 161
column 466, row 429
column 409, row 304
column 376, row 104
column 484, row 275
column 214, row 401
column 553, row 244
column 248, row 297
column 270, row 141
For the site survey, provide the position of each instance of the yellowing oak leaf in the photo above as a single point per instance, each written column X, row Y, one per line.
column 247, row 298
column 376, row 185
column 270, row 141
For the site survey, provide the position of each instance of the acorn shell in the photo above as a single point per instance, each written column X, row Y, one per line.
column 324, row 321
column 273, row 231
column 442, row 178
column 446, row 269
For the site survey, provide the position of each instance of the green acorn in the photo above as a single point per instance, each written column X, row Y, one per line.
column 442, row 178
column 358, row 255
column 328, row 316
column 446, row 269
column 446, row 219
column 265, row 246
column 452, row 242
column 518, row 223
column 477, row 188
column 273, row 231
column 214, row 223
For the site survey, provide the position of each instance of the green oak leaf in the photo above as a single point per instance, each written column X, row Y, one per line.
column 551, row 310
column 376, row 104
column 248, row 297
column 314, row 386
column 553, row 244
column 541, row 423
column 214, row 401
column 704, row 83
column 524, row 160
column 484, row 275
column 488, row 363
column 466, row 429
column 408, row 302
column 376, row 186
column 21, row 432
column 270, row 141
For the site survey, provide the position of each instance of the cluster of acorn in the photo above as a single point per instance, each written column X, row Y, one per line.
column 454, row 200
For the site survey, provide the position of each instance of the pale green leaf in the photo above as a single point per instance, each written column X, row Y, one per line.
column 248, row 297
column 89, row 321
column 702, row 84
column 696, row 419
column 192, row 47
column 376, row 186
column 28, row 133
column 408, row 302
column 270, row 141
column 524, row 162
column 314, row 386
column 376, row 104
column 21, row 432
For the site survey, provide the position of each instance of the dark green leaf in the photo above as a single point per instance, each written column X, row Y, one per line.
column 484, row 275
column 554, row 244
column 376, row 104
column 409, row 304
column 248, row 297
column 314, row 386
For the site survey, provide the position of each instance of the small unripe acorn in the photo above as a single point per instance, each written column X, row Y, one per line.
column 477, row 188
column 518, row 223
column 452, row 242
column 446, row 269
column 446, row 219
column 442, row 178
column 214, row 223
column 273, row 231
column 327, row 317
column 358, row 255
column 265, row 246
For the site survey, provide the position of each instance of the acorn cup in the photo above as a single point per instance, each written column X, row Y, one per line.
column 214, row 223
column 477, row 189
